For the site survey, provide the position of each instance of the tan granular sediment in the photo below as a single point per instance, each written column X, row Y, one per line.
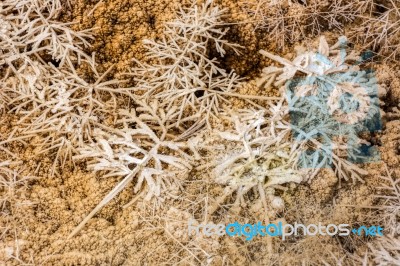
column 137, row 235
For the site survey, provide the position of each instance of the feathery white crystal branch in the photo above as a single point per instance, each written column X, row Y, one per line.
column 266, row 156
column 135, row 149
column 38, row 79
column 182, row 72
column 58, row 106
column 320, row 68
column 30, row 28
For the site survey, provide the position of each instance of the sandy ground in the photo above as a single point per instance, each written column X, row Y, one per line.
column 45, row 209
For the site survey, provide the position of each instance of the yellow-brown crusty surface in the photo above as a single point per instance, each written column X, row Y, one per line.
column 41, row 212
